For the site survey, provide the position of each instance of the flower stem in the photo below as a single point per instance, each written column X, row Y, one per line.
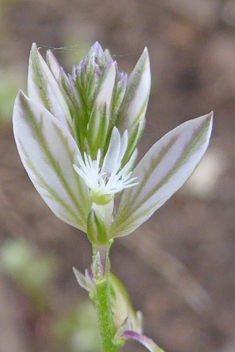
column 102, row 300
column 105, row 314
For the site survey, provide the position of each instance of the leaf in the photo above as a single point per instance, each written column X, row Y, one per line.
column 161, row 172
column 48, row 153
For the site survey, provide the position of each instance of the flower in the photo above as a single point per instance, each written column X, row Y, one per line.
column 77, row 137
column 109, row 179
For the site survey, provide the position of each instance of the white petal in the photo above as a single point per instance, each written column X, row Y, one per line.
column 161, row 172
column 110, row 164
column 106, row 88
column 124, row 143
column 137, row 92
column 53, row 64
column 48, row 153
column 43, row 88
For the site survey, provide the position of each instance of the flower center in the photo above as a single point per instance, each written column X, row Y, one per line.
column 103, row 184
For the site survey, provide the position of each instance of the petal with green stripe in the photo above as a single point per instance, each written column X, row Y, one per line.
column 44, row 88
column 48, row 153
column 161, row 172
column 135, row 101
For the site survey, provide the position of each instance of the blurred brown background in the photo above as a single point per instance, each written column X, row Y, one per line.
column 179, row 267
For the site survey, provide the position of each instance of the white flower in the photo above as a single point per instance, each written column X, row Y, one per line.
column 77, row 137
column 108, row 177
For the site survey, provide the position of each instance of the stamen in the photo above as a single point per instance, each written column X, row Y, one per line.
column 98, row 179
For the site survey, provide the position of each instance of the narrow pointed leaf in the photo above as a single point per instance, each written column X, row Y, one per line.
column 161, row 172
column 48, row 153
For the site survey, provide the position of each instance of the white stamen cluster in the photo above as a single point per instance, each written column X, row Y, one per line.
column 108, row 178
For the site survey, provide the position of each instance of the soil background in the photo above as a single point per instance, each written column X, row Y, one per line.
column 179, row 267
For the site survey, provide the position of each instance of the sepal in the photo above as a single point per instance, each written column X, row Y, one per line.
column 97, row 231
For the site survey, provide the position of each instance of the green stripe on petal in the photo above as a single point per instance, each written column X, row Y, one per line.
column 48, row 153
column 44, row 88
column 161, row 172
column 66, row 213
column 137, row 94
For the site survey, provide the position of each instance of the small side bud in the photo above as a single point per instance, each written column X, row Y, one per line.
column 94, row 56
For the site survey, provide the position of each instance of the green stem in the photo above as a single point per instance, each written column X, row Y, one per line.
column 105, row 315
column 102, row 300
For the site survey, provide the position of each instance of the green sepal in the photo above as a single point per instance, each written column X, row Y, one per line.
column 96, row 229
